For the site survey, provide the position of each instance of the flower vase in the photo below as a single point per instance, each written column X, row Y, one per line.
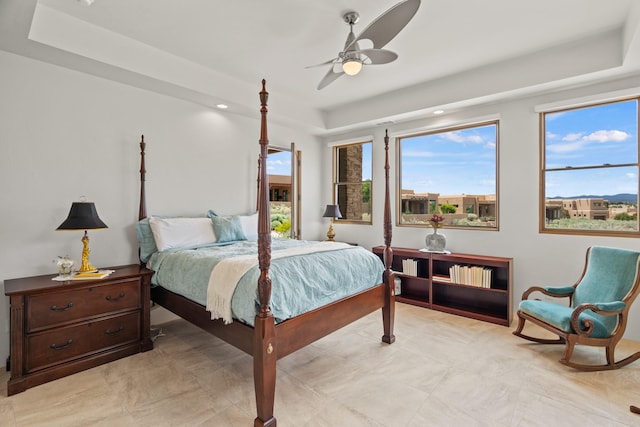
column 65, row 271
column 436, row 242
column 65, row 267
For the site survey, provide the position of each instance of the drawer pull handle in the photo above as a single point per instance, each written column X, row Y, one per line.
column 61, row 347
column 56, row 308
column 117, row 331
column 118, row 298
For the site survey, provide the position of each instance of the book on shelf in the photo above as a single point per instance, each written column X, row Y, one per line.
column 397, row 284
column 471, row 275
column 410, row 267
column 441, row 278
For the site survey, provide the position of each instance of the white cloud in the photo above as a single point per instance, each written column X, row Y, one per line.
column 458, row 137
column 572, row 137
column 566, row 148
column 417, row 154
column 608, row 135
column 577, row 141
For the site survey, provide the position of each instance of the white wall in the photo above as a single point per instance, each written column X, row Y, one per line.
column 539, row 259
column 65, row 134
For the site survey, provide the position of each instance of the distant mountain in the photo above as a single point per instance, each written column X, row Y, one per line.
column 616, row 198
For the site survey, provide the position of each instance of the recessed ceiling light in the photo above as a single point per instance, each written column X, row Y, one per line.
column 222, row 106
column 438, row 112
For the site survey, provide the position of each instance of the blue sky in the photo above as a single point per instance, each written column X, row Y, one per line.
column 455, row 162
column 279, row 163
column 604, row 134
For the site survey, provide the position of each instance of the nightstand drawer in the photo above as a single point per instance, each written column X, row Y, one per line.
column 63, row 344
column 50, row 310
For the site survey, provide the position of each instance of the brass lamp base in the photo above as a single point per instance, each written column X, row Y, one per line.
column 85, row 266
column 330, row 233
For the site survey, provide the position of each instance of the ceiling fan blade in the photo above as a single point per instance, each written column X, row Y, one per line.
column 389, row 24
column 331, row 61
column 329, row 78
column 379, row 56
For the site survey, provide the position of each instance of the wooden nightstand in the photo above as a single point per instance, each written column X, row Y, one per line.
column 60, row 328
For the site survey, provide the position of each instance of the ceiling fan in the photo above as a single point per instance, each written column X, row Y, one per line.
column 380, row 32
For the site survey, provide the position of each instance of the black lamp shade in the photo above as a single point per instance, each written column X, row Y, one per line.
column 332, row 211
column 82, row 216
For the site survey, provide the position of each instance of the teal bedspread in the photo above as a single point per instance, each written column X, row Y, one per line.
column 299, row 283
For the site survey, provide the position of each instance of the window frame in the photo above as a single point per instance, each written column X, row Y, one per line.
column 335, row 182
column 495, row 121
column 543, row 170
column 295, row 214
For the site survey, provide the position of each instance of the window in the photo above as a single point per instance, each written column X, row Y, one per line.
column 451, row 172
column 589, row 169
column 352, row 181
column 283, row 167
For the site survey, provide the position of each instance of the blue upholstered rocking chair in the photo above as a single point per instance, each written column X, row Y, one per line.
column 598, row 306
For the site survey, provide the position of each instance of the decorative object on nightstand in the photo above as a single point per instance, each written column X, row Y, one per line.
column 436, row 242
column 83, row 216
column 332, row 211
column 65, row 266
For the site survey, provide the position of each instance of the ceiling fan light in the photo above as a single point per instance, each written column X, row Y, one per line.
column 351, row 67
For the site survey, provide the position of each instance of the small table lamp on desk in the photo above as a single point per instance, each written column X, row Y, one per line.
column 83, row 216
column 332, row 211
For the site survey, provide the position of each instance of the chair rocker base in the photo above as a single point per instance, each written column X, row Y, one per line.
column 518, row 332
column 608, row 367
column 571, row 340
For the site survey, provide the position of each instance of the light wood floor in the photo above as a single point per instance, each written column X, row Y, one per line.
column 443, row 370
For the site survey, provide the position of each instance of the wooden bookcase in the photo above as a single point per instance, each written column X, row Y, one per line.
column 433, row 288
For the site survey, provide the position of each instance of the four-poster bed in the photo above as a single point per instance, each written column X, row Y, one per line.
column 268, row 339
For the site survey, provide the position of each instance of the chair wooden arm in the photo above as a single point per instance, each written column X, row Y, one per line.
column 560, row 292
column 606, row 309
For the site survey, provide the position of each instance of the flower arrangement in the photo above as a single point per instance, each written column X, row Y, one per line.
column 436, row 221
column 65, row 265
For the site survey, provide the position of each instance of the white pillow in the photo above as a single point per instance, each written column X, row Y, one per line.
column 176, row 233
column 249, row 225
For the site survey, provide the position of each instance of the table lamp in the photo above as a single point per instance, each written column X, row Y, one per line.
column 332, row 211
column 83, row 216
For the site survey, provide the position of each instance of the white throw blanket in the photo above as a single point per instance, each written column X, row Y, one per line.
column 228, row 272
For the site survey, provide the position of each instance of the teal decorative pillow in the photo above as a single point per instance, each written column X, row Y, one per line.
column 248, row 222
column 145, row 239
column 228, row 228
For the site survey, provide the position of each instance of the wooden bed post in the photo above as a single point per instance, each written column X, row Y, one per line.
column 142, row 211
column 265, row 354
column 388, row 311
